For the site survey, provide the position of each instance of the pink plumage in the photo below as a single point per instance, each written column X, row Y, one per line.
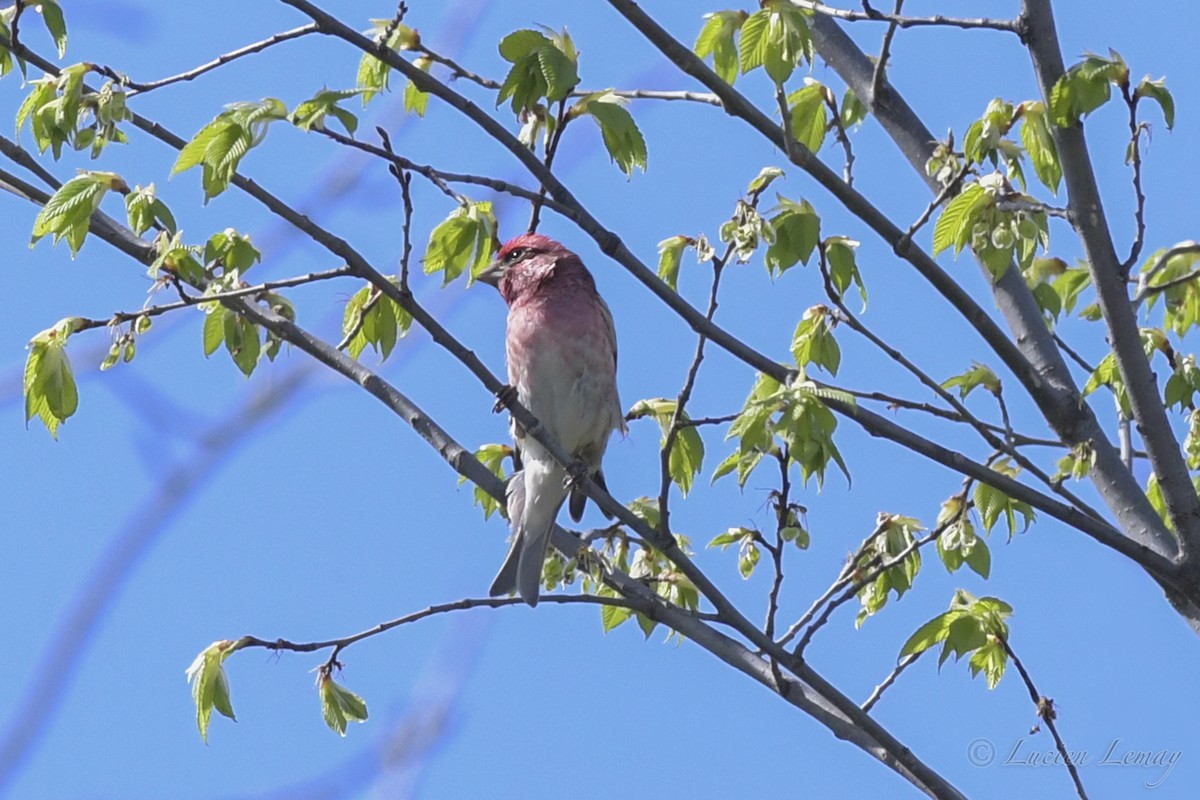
column 562, row 361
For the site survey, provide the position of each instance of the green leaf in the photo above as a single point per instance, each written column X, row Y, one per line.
column 958, row 218
column 312, row 112
column 542, row 67
column 670, row 254
column 220, row 145
column 145, row 210
column 978, row 375
column 716, row 40
column 753, row 45
column 810, row 115
column 1035, row 135
column 687, row 451
column 748, row 560
column 797, row 232
column 558, row 71
column 622, row 139
column 69, row 210
column 492, row 456
column 210, row 686
column 373, row 74
column 932, row 632
column 765, row 177
column 1157, row 91
column 415, row 100
column 853, row 112
column 339, row 705
column 612, row 616
column 465, row 239
column 777, row 38
column 242, row 341
column 843, row 269
column 992, row 504
column 49, row 383
column 1085, row 87
column 52, row 15
column 813, row 342
column 521, row 44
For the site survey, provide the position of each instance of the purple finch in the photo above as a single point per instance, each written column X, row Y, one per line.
column 562, row 363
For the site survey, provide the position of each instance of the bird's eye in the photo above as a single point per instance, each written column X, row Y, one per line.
column 515, row 255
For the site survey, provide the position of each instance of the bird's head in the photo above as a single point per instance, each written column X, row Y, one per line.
column 523, row 262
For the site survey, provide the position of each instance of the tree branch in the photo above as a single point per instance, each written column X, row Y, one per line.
column 1091, row 226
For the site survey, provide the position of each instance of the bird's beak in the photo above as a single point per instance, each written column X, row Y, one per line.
column 491, row 274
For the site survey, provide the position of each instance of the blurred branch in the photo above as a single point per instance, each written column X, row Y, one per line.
column 176, row 485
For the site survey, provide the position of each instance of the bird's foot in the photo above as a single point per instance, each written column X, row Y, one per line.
column 577, row 470
column 506, row 395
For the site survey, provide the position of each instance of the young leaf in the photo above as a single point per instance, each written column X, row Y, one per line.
column 813, row 342
column 372, row 73
column 1157, row 91
column 622, row 139
column 52, row 15
column 687, row 451
column 716, row 40
column 1035, row 135
column 978, row 375
column 776, row 38
column 69, row 210
column 145, row 210
column 464, row 240
column 415, row 100
column 810, row 115
column 242, row 341
column 797, row 232
column 959, row 216
column 339, row 705
column 312, row 112
column 210, row 686
column 843, row 269
column 670, row 253
column 49, row 382
column 220, row 145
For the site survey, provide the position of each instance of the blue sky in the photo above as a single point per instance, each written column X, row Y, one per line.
column 332, row 515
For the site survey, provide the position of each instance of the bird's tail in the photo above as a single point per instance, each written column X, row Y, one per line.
column 534, row 496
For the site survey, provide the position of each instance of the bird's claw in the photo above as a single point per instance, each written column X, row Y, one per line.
column 506, row 395
column 576, row 472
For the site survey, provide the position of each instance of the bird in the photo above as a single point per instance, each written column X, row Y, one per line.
column 561, row 351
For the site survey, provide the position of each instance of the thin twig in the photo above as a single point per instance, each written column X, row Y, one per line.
column 1144, row 289
column 951, row 188
column 706, row 98
column 457, row 70
column 842, row 136
column 844, row 576
column 1033, row 206
column 1070, row 353
column 342, row 643
column 948, row 397
column 1007, row 25
column 190, row 301
column 1135, row 161
column 1047, row 713
column 783, row 510
column 1018, row 439
column 878, row 691
column 560, row 124
column 884, row 52
column 137, row 88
